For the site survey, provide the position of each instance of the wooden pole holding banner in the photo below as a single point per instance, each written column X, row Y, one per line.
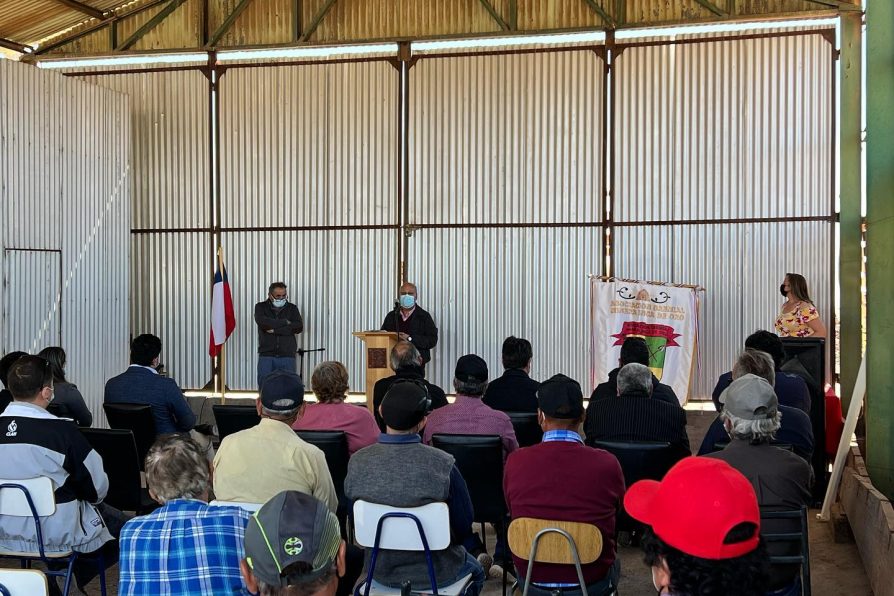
column 221, row 357
column 844, row 443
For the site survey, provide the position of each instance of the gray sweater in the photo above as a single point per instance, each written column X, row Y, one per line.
column 405, row 475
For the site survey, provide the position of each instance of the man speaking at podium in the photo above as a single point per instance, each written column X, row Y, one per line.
column 411, row 322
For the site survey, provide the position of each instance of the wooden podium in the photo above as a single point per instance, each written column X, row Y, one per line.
column 378, row 358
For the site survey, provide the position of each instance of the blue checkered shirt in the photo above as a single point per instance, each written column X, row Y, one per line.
column 566, row 436
column 185, row 547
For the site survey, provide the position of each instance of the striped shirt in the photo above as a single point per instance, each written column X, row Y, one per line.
column 185, row 547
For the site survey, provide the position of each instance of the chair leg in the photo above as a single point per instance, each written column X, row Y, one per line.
column 101, row 570
column 68, row 575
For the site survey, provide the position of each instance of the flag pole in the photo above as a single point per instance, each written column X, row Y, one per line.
column 221, row 357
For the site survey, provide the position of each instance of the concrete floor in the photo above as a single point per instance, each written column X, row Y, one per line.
column 836, row 568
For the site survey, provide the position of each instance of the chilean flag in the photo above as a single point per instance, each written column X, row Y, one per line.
column 223, row 318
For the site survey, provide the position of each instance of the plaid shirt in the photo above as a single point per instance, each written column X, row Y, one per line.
column 470, row 416
column 185, row 547
column 564, row 436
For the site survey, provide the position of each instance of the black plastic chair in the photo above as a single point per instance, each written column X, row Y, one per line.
column 118, row 451
column 781, row 545
column 640, row 460
column 232, row 419
column 136, row 418
column 527, row 430
column 721, row 445
column 334, row 445
column 479, row 458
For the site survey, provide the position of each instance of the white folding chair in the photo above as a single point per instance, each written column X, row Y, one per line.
column 23, row 582
column 35, row 498
column 250, row 507
column 424, row 529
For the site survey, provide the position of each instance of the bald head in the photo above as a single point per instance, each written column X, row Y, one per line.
column 403, row 355
column 408, row 288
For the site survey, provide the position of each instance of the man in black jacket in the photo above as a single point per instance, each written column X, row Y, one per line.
column 406, row 364
column 633, row 351
column 412, row 323
column 515, row 391
column 279, row 321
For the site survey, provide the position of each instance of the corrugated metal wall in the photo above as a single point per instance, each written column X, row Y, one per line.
column 67, row 186
column 495, row 140
column 309, row 155
column 172, row 256
column 728, row 132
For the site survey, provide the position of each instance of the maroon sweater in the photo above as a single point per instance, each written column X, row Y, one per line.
column 566, row 482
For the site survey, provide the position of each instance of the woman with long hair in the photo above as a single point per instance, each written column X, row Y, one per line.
column 799, row 317
column 68, row 403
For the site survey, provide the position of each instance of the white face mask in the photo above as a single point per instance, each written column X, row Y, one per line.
column 279, row 303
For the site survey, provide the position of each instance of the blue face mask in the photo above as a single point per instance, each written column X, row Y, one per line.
column 279, row 303
column 407, row 300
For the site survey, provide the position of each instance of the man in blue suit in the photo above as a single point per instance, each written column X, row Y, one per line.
column 141, row 384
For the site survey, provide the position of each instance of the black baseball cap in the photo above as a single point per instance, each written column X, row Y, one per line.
column 561, row 397
column 471, row 369
column 291, row 527
column 405, row 404
column 282, row 391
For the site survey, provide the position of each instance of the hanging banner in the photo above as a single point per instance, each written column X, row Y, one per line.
column 665, row 316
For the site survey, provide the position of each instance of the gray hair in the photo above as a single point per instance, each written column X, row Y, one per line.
column 404, row 354
column 303, row 589
column 755, row 362
column 756, row 431
column 282, row 414
column 634, row 377
column 176, row 468
column 473, row 388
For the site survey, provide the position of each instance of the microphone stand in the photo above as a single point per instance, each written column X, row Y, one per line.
column 301, row 352
column 397, row 317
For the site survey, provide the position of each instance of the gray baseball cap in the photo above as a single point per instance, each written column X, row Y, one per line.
column 750, row 397
column 291, row 527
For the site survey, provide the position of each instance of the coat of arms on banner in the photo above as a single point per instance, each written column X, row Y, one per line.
column 666, row 317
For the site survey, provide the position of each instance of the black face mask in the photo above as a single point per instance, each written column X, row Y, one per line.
column 782, row 291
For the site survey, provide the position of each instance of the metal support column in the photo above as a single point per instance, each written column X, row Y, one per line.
column 850, row 265
column 880, row 245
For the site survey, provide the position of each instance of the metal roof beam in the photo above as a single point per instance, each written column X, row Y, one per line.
column 84, row 8
column 494, row 14
column 841, row 5
column 318, row 18
column 228, row 22
column 150, row 25
column 719, row 12
column 15, row 46
column 607, row 18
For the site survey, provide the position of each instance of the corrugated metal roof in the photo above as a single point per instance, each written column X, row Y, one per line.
column 31, row 21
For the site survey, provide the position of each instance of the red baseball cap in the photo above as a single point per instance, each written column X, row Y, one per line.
column 696, row 505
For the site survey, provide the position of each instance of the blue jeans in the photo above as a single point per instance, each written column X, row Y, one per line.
column 268, row 364
column 471, row 565
column 605, row 586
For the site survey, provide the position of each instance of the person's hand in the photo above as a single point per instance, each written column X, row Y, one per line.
column 404, row 336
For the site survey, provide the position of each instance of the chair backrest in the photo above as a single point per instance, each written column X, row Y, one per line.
column 402, row 533
column 527, row 431
column 334, row 445
column 137, row 418
column 553, row 546
column 23, row 582
column 250, row 507
column 121, row 461
column 479, row 458
column 721, row 445
column 641, row 460
column 788, row 544
column 231, row 419
column 14, row 500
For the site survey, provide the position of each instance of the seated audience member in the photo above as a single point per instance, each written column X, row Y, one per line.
column 68, row 403
column 274, row 565
column 255, row 464
column 781, row 479
column 467, row 415
column 5, row 363
column 635, row 415
column 791, row 389
column 634, row 351
column 515, row 391
column 561, row 460
column 141, row 383
column 402, row 472
column 36, row 444
column 406, row 364
column 329, row 382
column 794, row 427
column 704, row 535
column 186, row 546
